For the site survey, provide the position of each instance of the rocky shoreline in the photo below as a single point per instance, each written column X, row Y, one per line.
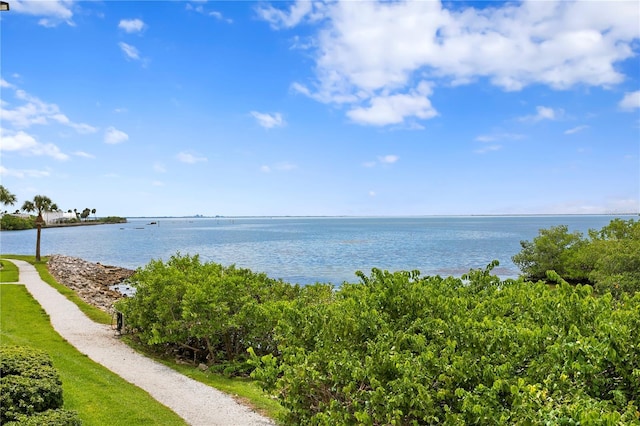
column 91, row 281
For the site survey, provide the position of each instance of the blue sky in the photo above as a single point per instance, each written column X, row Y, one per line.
column 322, row 108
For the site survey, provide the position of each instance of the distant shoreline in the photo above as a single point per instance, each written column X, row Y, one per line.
column 383, row 216
column 70, row 225
column 65, row 225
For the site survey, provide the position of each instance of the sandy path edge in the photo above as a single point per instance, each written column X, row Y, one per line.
column 196, row 403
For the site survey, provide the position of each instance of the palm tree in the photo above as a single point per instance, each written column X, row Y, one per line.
column 6, row 197
column 94, row 214
column 41, row 204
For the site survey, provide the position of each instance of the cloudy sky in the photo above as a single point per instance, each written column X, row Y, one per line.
column 322, row 108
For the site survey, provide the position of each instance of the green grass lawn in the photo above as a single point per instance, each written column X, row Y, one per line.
column 92, row 312
column 8, row 272
column 99, row 396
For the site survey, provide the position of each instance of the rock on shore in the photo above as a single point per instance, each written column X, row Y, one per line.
column 90, row 281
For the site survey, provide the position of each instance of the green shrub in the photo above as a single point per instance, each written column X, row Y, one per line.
column 113, row 219
column 402, row 349
column 29, row 383
column 609, row 259
column 56, row 417
column 14, row 360
column 205, row 312
column 553, row 249
column 10, row 222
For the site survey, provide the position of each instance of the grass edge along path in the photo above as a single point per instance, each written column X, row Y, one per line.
column 96, row 315
column 246, row 391
column 99, row 396
column 8, row 272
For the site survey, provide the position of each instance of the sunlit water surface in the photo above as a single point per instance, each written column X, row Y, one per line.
column 307, row 250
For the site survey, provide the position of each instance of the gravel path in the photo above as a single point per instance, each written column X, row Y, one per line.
column 196, row 403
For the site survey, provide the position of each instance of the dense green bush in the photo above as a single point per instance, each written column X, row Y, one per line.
column 608, row 259
column 205, row 311
column 14, row 360
column 29, row 383
column 400, row 349
column 553, row 249
column 113, row 219
column 58, row 417
column 10, row 222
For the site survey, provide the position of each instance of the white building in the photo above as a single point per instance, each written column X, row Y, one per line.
column 55, row 217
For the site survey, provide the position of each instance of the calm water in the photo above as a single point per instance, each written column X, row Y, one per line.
column 307, row 250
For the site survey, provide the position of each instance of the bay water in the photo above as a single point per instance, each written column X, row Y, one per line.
column 307, row 249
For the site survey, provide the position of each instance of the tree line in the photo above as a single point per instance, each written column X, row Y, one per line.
column 608, row 259
column 40, row 205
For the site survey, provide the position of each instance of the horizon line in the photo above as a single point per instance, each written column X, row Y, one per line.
column 199, row 216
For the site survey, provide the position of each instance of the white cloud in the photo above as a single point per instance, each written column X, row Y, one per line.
column 280, row 167
column 300, row 43
column 23, row 173
column 50, row 150
column 157, row 183
column 189, row 158
column 498, row 136
column 485, row 138
column 382, row 160
column 267, row 120
column 26, row 144
column 494, row 137
column 131, row 25
column 372, row 194
column 34, row 111
column 575, row 129
column 388, row 159
column 83, row 154
column 159, row 167
column 130, row 51
column 214, row 13
column 82, row 128
column 5, row 84
column 285, row 19
column 114, row 136
column 220, row 17
column 630, row 101
column 543, row 113
column 53, row 12
column 371, row 55
column 488, row 148
column 394, row 109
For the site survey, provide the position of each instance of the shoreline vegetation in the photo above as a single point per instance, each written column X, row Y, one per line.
column 11, row 222
column 557, row 345
column 104, row 221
